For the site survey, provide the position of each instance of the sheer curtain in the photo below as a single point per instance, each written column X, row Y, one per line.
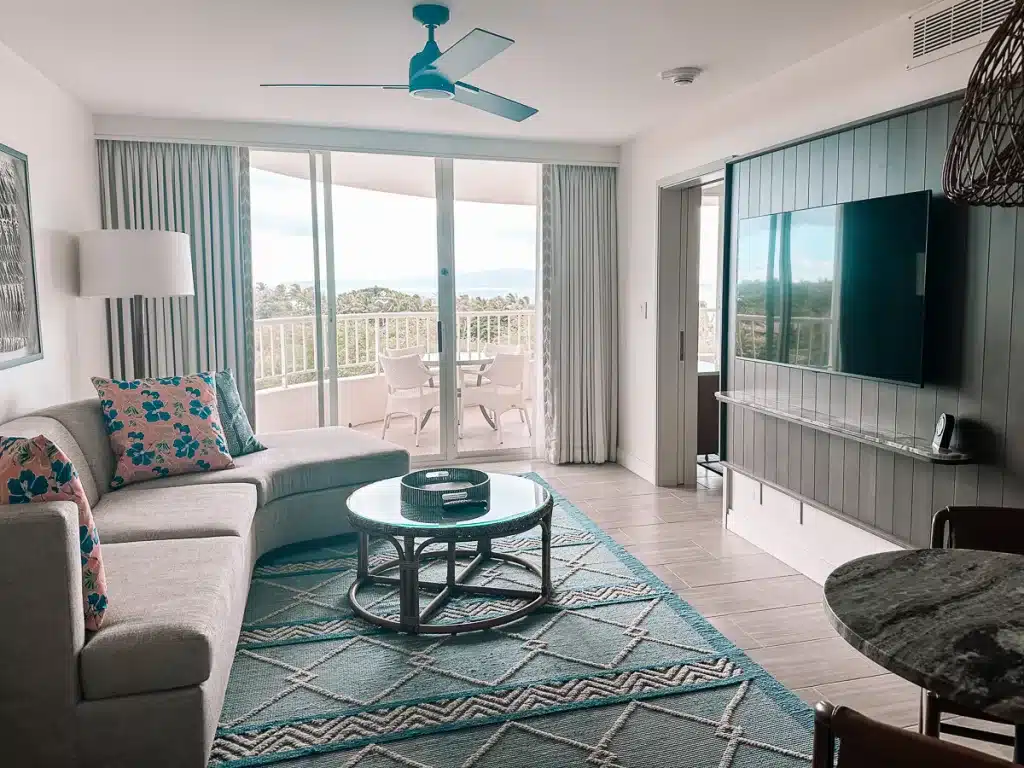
column 201, row 190
column 580, row 313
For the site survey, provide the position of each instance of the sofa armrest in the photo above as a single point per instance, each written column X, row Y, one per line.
column 43, row 632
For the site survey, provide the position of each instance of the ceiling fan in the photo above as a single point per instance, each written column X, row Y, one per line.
column 437, row 75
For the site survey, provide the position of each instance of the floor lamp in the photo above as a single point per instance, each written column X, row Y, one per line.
column 137, row 264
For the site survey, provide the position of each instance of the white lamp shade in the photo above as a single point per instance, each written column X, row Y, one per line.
column 118, row 263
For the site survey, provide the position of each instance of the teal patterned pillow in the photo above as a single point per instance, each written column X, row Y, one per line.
column 237, row 432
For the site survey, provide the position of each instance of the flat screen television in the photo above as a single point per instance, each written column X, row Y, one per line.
column 839, row 288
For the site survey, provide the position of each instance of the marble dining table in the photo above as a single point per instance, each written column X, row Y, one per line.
column 949, row 620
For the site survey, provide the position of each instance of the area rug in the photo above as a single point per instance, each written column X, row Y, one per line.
column 617, row 672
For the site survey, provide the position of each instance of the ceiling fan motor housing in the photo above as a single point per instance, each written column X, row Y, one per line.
column 425, row 82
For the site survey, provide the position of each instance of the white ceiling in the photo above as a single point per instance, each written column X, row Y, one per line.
column 589, row 66
column 482, row 181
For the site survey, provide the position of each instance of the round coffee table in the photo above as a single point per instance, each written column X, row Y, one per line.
column 516, row 505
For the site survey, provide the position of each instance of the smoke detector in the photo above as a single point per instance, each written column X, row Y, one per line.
column 681, row 75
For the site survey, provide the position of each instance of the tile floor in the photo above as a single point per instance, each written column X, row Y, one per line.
column 766, row 608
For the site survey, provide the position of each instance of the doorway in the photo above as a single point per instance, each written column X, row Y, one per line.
column 388, row 288
column 690, row 249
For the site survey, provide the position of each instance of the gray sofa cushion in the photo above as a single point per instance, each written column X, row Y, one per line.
column 168, row 603
column 30, row 426
column 84, row 420
column 303, row 461
column 188, row 512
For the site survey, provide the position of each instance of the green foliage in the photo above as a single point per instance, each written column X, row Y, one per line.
column 291, row 345
column 809, row 299
column 297, row 301
column 809, row 341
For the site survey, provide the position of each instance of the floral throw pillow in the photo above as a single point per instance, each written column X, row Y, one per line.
column 162, row 427
column 35, row 469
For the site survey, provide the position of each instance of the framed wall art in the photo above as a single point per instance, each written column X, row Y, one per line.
column 20, row 338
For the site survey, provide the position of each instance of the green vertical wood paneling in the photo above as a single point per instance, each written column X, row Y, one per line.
column 878, row 160
column 893, row 493
column 861, row 186
column 802, row 177
column 896, row 156
column 844, row 172
column 753, row 193
column 767, row 173
column 1013, row 451
column 830, row 170
column 807, row 446
column 917, row 144
column 973, row 345
column 815, row 172
column 782, row 429
column 771, row 426
column 741, row 187
column 777, row 194
column 789, row 163
column 936, row 141
column 996, row 360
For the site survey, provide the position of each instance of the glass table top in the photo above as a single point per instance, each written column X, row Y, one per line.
column 514, row 500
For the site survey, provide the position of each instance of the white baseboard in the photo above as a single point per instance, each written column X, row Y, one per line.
column 635, row 465
column 804, row 537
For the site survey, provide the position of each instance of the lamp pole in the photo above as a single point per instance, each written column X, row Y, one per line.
column 139, row 368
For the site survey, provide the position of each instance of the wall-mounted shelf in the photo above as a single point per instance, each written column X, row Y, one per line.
column 776, row 406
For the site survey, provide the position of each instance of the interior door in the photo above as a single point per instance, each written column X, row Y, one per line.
column 677, row 334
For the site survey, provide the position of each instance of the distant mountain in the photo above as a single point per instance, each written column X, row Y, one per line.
column 485, row 283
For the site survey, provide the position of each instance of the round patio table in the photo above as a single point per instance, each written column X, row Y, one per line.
column 516, row 505
column 467, row 359
column 948, row 620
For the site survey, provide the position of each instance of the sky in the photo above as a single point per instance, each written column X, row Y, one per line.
column 381, row 236
column 812, row 246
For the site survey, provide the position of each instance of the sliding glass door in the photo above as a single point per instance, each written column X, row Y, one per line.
column 386, row 288
column 495, row 269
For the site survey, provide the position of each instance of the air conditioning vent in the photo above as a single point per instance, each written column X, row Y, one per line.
column 944, row 28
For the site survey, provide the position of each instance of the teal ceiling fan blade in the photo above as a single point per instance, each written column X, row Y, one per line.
column 476, row 48
column 472, row 96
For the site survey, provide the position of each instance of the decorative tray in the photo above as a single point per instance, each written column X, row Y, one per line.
column 446, row 488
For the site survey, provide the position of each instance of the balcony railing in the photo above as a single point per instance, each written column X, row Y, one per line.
column 810, row 339
column 286, row 346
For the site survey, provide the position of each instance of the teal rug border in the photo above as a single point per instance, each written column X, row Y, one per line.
column 371, row 631
column 525, row 715
column 788, row 702
column 697, row 657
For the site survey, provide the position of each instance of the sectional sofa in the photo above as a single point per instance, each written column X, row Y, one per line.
column 147, row 689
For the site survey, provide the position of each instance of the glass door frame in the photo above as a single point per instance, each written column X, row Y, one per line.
column 326, row 308
column 451, row 379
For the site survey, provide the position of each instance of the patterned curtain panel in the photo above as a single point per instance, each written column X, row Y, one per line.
column 580, row 309
column 203, row 191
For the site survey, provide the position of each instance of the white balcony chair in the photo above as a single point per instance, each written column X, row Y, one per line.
column 419, row 350
column 505, row 391
column 479, row 378
column 409, row 392
column 405, row 351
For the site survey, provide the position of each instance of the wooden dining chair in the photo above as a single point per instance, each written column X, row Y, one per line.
column 867, row 743
column 992, row 529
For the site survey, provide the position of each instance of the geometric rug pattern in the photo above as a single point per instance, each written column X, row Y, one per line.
column 615, row 672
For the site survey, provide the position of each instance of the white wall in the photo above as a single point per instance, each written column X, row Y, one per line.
column 862, row 77
column 808, row 539
column 56, row 132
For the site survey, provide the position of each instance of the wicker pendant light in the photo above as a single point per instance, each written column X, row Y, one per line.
column 985, row 161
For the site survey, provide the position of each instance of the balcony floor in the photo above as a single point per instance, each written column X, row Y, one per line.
column 477, row 434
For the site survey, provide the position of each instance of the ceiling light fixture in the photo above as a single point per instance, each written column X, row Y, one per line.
column 681, row 75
